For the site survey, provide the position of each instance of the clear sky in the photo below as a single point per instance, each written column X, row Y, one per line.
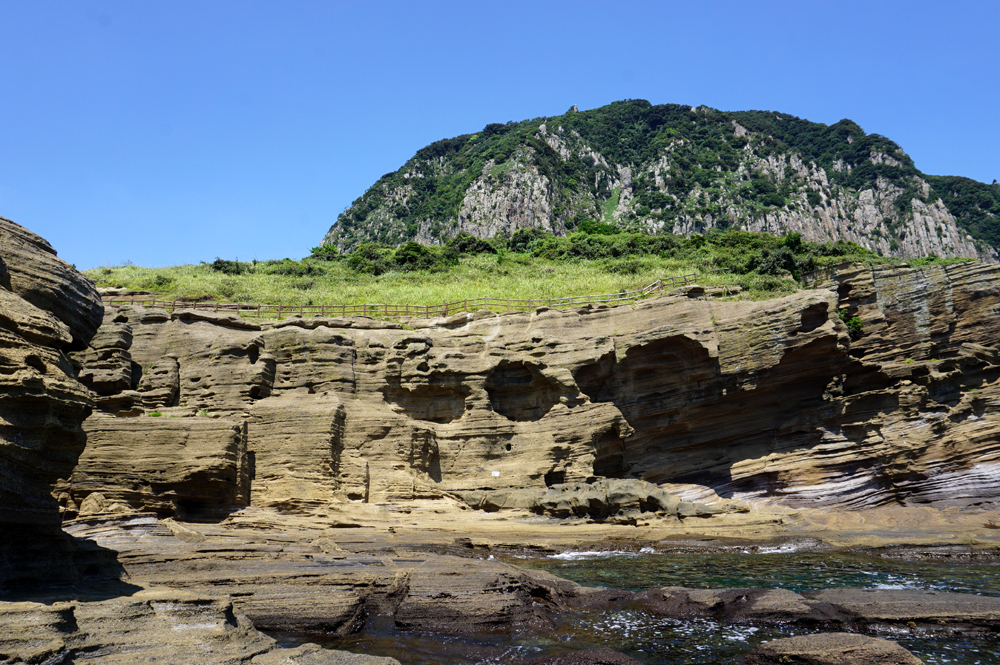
column 175, row 132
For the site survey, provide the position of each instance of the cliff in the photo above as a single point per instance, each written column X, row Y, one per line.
column 774, row 402
column 61, row 599
column 46, row 309
column 677, row 169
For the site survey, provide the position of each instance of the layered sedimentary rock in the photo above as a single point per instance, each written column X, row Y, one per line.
column 294, row 575
column 46, row 308
column 150, row 626
column 772, row 401
column 832, row 649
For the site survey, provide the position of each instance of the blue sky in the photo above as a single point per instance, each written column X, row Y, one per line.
column 174, row 132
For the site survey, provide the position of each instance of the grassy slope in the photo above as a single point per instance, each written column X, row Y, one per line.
column 508, row 275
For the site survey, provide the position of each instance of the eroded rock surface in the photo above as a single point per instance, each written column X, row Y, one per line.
column 766, row 402
column 832, row 649
column 46, row 308
column 156, row 625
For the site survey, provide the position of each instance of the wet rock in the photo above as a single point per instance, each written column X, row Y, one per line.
column 602, row 656
column 832, row 649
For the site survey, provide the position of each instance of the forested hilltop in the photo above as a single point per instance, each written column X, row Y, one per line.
column 673, row 169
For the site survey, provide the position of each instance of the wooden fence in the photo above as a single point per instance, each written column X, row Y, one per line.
column 395, row 311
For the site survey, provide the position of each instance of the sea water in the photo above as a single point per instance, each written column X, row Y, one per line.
column 664, row 641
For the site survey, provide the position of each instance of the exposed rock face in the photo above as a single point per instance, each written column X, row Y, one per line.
column 284, row 578
column 150, row 626
column 46, row 308
column 763, row 401
column 36, row 274
column 674, row 169
column 832, row 649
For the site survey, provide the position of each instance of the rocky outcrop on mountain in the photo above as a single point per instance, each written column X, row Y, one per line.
column 676, row 169
column 46, row 308
column 773, row 401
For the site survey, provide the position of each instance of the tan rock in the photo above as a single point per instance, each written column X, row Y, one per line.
column 46, row 308
column 752, row 402
column 832, row 649
column 155, row 625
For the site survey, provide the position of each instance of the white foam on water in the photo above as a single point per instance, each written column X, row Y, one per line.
column 591, row 554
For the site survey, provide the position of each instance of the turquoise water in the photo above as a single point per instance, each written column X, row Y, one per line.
column 662, row 641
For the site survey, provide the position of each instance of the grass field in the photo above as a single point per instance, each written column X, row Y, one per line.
column 515, row 276
column 506, row 274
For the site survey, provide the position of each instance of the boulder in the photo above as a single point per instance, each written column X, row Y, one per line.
column 832, row 649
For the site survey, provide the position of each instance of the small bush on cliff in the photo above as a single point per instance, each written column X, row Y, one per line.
column 855, row 326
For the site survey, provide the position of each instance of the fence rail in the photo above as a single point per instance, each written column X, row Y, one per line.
column 395, row 311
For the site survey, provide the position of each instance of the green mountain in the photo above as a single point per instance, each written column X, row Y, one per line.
column 677, row 169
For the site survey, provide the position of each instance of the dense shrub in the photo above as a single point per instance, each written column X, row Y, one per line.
column 464, row 243
column 230, row 267
column 524, row 240
column 593, row 228
column 371, row 258
column 325, row 253
column 291, row 268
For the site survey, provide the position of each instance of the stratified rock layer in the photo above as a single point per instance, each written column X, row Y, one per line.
column 150, row 626
column 46, row 308
column 773, row 401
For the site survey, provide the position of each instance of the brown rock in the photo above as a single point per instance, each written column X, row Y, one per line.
column 192, row 467
column 770, row 401
column 832, row 649
column 46, row 307
column 36, row 274
column 150, row 626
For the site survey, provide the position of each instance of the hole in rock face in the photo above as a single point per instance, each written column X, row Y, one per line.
column 436, row 404
column 609, row 454
column 254, row 392
column 199, row 510
column 35, row 363
column 136, row 376
column 520, row 392
column 253, row 353
column 813, row 317
column 555, row 478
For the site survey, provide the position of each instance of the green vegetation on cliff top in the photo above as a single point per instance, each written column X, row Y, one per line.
column 530, row 264
column 427, row 193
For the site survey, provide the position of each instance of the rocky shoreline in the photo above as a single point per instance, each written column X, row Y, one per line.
column 174, row 483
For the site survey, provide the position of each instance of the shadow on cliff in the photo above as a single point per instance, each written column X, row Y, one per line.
column 686, row 410
column 41, row 565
